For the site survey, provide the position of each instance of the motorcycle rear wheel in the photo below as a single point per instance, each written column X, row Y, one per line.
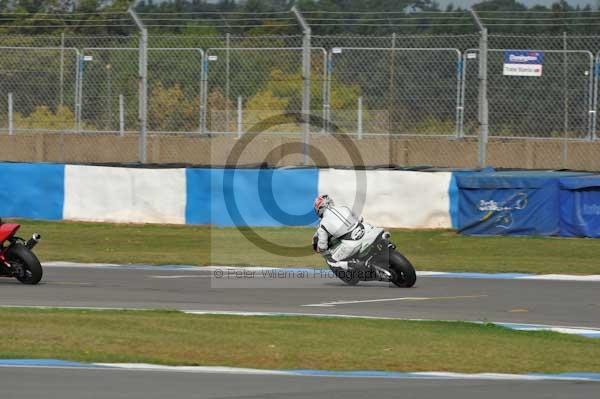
column 403, row 272
column 21, row 256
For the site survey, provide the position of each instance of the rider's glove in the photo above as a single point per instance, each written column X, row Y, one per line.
column 315, row 243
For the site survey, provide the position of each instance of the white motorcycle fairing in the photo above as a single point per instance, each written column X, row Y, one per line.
column 348, row 249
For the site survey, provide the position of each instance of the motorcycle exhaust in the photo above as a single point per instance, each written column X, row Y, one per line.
column 32, row 242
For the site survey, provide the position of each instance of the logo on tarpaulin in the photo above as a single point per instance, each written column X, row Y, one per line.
column 500, row 212
column 591, row 209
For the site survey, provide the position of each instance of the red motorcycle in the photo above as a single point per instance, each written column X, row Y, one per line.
column 16, row 257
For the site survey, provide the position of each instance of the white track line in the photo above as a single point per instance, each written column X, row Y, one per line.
column 494, row 276
column 561, row 277
column 433, row 375
column 407, row 298
column 427, row 375
column 194, row 369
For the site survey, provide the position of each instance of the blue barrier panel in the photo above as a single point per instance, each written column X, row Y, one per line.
column 251, row 197
column 198, row 196
column 454, row 195
column 33, row 191
column 580, row 206
column 509, row 203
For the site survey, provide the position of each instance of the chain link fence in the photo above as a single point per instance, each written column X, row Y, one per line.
column 556, row 104
column 247, row 85
column 77, row 99
column 38, row 83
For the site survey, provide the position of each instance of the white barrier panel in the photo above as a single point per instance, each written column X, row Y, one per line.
column 129, row 195
column 401, row 199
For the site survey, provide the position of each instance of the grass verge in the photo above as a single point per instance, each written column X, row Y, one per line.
column 440, row 250
column 174, row 338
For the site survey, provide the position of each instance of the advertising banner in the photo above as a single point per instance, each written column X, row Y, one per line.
column 523, row 63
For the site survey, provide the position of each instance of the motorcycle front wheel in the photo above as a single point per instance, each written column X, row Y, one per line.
column 403, row 272
column 21, row 258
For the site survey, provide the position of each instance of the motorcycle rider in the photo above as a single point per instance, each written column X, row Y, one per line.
column 340, row 235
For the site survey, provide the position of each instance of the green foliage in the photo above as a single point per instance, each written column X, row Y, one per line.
column 282, row 93
column 170, row 110
column 44, row 118
column 263, row 105
column 219, row 106
column 34, row 9
column 288, row 86
column 191, row 30
column 275, row 101
column 433, row 125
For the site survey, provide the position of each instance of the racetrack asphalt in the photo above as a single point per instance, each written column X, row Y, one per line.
column 571, row 303
column 565, row 303
column 73, row 383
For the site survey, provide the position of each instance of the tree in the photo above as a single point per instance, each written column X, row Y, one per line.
column 220, row 111
column 170, row 110
column 43, row 118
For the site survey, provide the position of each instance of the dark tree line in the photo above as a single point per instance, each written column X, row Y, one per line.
column 349, row 16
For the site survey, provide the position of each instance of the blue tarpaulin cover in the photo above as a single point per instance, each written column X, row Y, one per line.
column 580, row 206
column 509, row 203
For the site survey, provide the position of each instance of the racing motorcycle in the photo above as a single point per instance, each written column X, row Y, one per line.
column 382, row 262
column 16, row 256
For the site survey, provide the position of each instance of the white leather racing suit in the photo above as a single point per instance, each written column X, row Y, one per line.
column 341, row 236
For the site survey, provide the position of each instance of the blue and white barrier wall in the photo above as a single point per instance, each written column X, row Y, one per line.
column 479, row 203
column 223, row 197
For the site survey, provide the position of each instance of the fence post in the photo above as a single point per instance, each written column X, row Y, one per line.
column 482, row 98
column 306, row 47
column 325, row 100
column 143, row 85
column 121, row 115
column 565, row 148
column 596, row 72
column 10, row 114
column 239, row 117
column 392, row 83
column 78, row 90
column 109, row 95
column 203, row 92
column 359, row 121
column 62, row 68
column 227, row 83
column 328, row 91
column 565, row 88
column 460, row 73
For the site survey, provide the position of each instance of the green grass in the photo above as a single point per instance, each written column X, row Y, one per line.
column 174, row 338
column 441, row 250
